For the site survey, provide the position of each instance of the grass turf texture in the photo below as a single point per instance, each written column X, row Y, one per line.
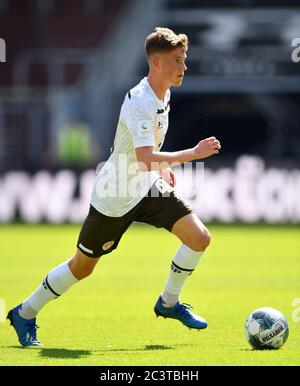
column 108, row 319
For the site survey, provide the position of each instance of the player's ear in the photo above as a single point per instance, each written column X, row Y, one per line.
column 155, row 61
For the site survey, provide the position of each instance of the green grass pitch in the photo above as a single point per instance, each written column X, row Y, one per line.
column 108, row 319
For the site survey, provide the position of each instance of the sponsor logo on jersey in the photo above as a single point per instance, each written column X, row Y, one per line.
column 144, row 127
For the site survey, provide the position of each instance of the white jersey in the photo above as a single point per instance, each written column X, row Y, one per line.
column 120, row 184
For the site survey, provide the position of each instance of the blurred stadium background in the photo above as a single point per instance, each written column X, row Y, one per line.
column 68, row 65
column 65, row 67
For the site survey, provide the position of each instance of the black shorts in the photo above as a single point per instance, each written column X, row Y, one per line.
column 101, row 234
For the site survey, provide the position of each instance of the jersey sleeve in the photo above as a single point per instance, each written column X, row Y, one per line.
column 139, row 121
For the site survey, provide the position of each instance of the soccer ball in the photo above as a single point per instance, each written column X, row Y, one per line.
column 266, row 328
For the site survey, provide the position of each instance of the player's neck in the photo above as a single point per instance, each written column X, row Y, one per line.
column 157, row 86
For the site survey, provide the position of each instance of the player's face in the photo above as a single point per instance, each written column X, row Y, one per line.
column 173, row 66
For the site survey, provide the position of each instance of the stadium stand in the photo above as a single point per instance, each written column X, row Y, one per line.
column 70, row 63
column 240, row 78
column 53, row 35
column 64, row 59
column 49, row 44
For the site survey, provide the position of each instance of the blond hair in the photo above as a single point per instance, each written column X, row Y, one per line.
column 164, row 40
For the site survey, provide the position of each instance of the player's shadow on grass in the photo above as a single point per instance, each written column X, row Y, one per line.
column 157, row 347
column 63, row 353
column 77, row 354
column 146, row 348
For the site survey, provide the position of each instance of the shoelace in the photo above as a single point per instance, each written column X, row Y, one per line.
column 32, row 333
column 186, row 309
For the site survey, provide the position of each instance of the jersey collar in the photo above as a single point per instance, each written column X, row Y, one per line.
column 162, row 103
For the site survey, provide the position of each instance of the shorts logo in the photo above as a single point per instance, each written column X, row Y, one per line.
column 107, row 245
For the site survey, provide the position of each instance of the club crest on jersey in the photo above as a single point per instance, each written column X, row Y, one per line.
column 107, row 245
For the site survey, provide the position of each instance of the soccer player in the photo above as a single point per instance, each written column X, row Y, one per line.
column 136, row 184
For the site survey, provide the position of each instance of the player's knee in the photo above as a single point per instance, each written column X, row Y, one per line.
column 81, row 266
column 81, row 271
column 201, row 241
column 84, row 272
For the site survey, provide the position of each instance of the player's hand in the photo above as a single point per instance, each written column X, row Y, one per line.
column 172, row 182
column 207, row 147
column 168, row 175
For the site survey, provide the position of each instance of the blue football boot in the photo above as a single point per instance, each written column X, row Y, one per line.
column 25, row 329
column 181, row 312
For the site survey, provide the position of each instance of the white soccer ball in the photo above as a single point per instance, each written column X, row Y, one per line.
column 266, row 328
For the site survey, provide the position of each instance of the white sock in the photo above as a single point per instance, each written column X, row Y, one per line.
column 183, row 264
column 57, row 282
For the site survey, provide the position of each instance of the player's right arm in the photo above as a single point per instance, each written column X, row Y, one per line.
column 150, row 159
